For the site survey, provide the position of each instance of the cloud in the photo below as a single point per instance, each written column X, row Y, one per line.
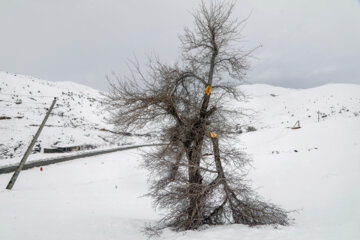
column 84, row 40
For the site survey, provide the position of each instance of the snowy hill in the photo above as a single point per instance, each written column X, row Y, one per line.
column 281, row 107
column 78, row 118
column 313, row 169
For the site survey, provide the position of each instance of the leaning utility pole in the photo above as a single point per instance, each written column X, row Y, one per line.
column 27, row 153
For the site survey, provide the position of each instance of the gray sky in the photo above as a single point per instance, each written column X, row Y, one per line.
column 305, row 42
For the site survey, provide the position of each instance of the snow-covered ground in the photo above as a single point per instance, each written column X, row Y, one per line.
column 314, row 170
column 78, row 117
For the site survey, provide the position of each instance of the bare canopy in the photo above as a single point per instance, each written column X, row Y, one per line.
column 198, row 176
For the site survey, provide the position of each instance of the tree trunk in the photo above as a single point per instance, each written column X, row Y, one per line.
column 196, row 200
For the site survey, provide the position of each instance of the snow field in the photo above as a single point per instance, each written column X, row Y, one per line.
column 313, row 170
column 92, row 198
column 98, row 197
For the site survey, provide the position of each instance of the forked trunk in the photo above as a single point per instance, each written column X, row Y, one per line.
column 196, row 198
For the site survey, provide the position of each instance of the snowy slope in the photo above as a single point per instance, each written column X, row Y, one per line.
column 77, row 118
column 314, row 169
column 282, row 107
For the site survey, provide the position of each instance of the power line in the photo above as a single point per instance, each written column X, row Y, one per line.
column 42, row 103
column 13, row 129
column 80, row 95
column 25, row 95
column 11, row 107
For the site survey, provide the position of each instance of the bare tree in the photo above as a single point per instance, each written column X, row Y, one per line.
column 195, row 179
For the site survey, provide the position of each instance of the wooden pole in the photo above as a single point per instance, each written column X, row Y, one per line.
column 27, row 153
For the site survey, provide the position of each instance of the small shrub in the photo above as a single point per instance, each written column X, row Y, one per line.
column 251, row 129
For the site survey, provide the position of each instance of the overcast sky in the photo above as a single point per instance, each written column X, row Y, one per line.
column 305, row 43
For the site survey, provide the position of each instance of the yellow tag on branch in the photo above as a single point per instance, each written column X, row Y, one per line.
column 213, row 135
column 208, row 90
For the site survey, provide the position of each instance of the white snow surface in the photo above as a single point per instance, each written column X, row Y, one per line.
column 77, row 119
column 314, row 170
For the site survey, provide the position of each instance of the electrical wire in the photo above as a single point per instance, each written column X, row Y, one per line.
column 25, row 95
column 43, row 103
column 15, row 107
